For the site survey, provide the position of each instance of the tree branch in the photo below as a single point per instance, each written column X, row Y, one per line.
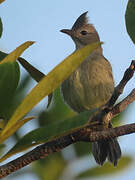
column 94, row 130
column 119, row 89
column 117, row 109
column 85, row 135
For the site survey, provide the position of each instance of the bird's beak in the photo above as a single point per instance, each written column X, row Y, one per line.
column 67, row 31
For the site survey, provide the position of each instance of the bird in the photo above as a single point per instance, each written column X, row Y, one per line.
column 91, row 85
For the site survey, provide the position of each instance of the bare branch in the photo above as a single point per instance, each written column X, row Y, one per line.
column 119, row 89
column 123, row 104
column 109, row 133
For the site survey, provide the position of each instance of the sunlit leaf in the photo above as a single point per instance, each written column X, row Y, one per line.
column 130, row 19
column 47, row 133
column 21, row 123
column 16, row 53
column 1, row 28
column 107, row 169
column 47, row 85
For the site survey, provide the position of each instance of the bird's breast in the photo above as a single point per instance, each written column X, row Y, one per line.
column 90, row 86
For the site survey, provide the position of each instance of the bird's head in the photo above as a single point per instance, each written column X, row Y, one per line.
column 82, row 32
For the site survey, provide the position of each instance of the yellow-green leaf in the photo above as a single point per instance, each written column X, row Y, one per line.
column 35, row 74
column 47, row 85
column 107, row 169
column 16, row 53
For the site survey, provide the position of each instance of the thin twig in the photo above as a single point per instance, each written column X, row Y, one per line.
column 120, row 107
column 117, row 109
column 119, row 89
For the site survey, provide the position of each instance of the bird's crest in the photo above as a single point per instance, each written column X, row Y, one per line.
column 82, row 20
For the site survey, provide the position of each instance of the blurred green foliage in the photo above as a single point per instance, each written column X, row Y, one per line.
column 107, row 169
column 53, row 167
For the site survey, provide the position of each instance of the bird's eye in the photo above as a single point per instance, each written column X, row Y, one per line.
column 83, row 32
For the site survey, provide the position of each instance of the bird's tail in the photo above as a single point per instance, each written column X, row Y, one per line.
column 108, row 149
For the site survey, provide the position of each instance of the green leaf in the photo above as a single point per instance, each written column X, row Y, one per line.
column 59, row 108
column 130, row 19
column 57, row 112
column 48, row 133
column 18, row 96
column 47, row 85
column 21, row 123
column 1, row 28
column 9, row 78
column 107, row 169
column 2, row 55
